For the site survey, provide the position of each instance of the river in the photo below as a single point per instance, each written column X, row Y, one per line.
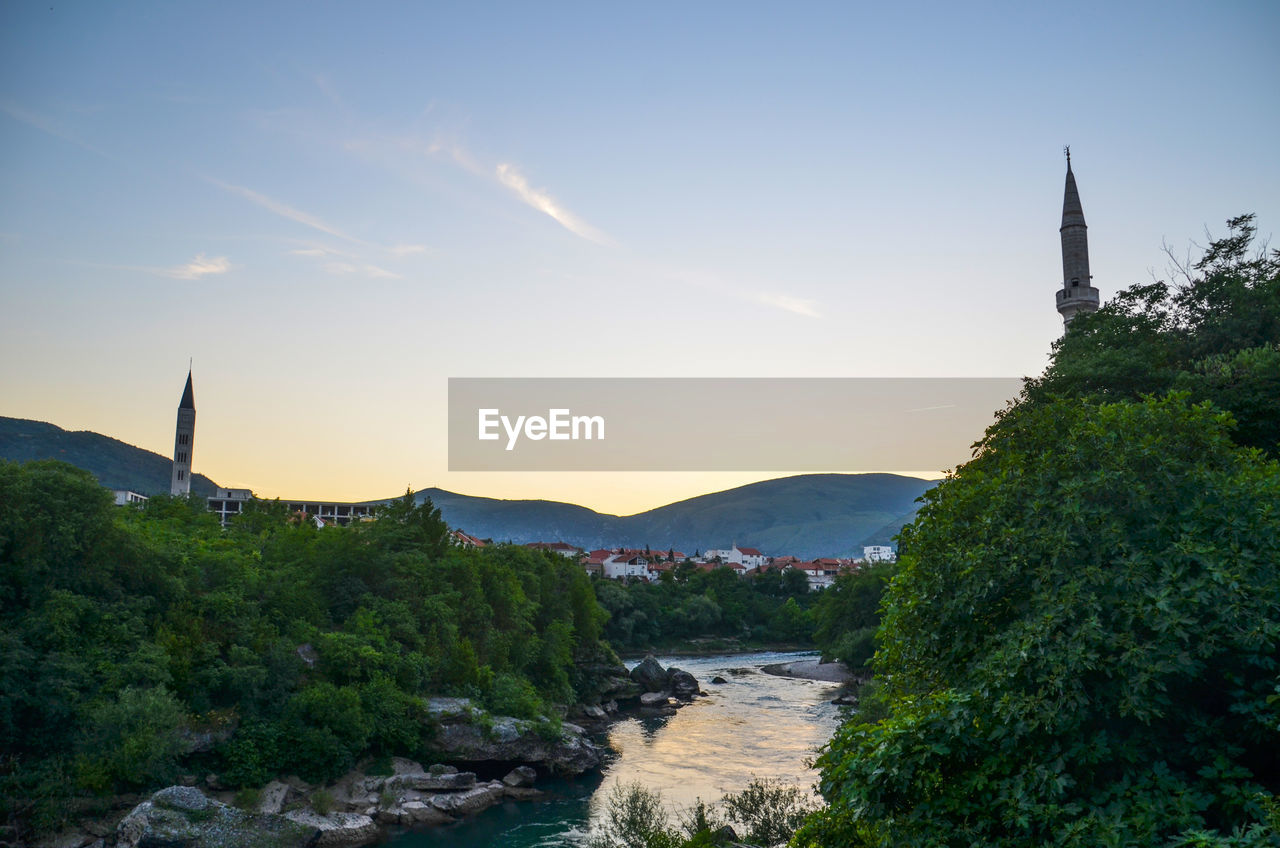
column 756, row 724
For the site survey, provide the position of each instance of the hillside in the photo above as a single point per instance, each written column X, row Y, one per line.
column 808, row 515
column 117, row 465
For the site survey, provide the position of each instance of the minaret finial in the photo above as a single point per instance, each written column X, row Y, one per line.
column 1067, row 150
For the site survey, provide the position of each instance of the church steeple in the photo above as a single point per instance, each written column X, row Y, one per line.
column 1077, row 294
column 184, row 441
column 188, row 396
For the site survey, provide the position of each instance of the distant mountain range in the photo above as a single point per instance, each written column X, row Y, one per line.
column 117, row 465
column 809, row 515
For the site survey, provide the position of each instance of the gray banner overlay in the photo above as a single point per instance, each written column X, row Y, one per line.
column 765, row 424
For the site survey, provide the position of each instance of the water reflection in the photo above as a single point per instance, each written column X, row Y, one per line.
column 752, row 725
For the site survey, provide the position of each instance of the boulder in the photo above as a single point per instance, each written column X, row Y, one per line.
column 682, row 684
column 520, row 776
column 650, row 675
column 450, row 709
column 718, row 679
column 469, row 802
column 184, row 817
column 514, row 740
column 424, row 782
column 335, row 830
column 273, row 796
column 402, row 765
column 420, row 812
column 651, row 700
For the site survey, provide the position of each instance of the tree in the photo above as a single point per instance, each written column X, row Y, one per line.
column 848, row 613
column 1081, row 645
column 1216, row 335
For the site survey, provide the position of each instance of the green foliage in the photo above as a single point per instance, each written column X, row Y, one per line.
column 767, row 813
column 1082, row 643
column 768, row 608
column 848, row 613
column 634, row 818
column 322, row 802
column 122, row 629
column 130, row 740
column 1216, row 335
column 514, row 696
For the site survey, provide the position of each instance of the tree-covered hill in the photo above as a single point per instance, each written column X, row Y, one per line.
column 116, row 465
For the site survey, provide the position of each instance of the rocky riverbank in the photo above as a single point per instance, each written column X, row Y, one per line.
column 361, row 807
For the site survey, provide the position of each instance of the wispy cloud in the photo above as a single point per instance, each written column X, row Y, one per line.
column 285, row 211
column 787, row 303
column 542, row 201
column 407, row 249
column 199, row 267
column 372, row 271
column 46, row 125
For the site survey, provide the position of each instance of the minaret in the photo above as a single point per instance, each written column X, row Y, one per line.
column 184, row 441
column 1077, row 293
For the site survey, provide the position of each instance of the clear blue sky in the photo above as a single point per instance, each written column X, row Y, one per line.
column 335, row 207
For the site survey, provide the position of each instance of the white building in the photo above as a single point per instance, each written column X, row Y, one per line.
column 748, row 557
column 821, row 573
column 563, row 549
column 124, row 496
column 878, row 553
column 230, row 502
column 620, row 566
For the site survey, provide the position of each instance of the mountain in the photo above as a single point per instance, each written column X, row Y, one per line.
column 808, row 515
column 116, row 465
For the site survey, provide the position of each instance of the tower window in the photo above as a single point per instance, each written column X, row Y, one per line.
column 181, row 473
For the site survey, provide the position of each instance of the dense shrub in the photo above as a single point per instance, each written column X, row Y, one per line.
column 123, row 629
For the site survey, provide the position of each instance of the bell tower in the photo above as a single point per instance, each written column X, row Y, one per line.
column 1077, row 293
column 184, row 441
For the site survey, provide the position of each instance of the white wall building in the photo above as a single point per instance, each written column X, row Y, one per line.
column 620, row 566
column 878, row 553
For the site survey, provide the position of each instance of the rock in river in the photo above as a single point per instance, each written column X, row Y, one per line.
column 650, row 674
column 506, row 739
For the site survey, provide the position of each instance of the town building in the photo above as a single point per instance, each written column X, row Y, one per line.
column 466, row 540
column 124, row 496
column 878, row 553
column 565, row 550
column 624, row 565
column 228, row 503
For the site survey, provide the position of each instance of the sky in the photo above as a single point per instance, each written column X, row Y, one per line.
column 332, row 208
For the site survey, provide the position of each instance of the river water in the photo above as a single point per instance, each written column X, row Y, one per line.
column 755, row 725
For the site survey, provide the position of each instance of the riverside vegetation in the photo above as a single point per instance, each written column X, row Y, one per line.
column 1082, row 644
column 140, row 644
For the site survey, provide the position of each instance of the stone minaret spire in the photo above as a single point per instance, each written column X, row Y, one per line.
column 1077, row 294
column 184, row 441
